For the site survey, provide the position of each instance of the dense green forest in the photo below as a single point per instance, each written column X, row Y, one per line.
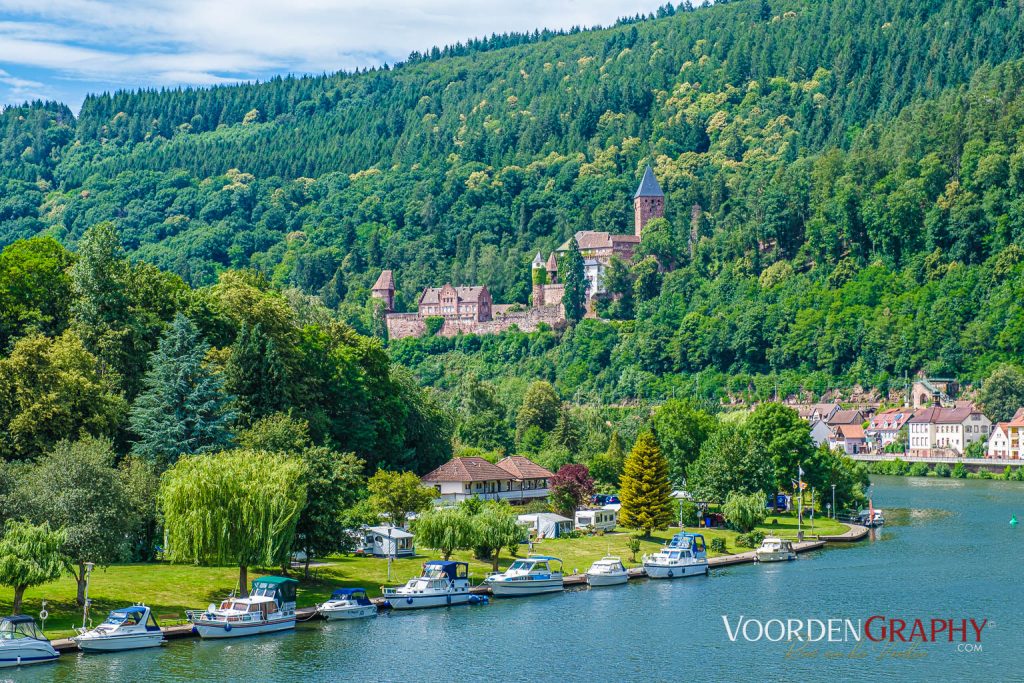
column 856, row 164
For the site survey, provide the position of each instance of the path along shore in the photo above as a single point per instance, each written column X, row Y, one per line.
column 855, row 533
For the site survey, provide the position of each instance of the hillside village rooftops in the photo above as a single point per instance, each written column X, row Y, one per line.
column 940, row 415
column 819, row 409
column 845, row 417
column 893, row 418
column 851, row 431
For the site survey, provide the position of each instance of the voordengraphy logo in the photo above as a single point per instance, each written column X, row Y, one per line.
column 876, row 629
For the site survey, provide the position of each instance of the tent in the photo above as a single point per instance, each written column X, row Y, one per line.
column 547, row 524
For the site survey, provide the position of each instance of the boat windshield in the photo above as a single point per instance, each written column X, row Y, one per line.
column 10, row 630
column 521, row 566
column 122, row 618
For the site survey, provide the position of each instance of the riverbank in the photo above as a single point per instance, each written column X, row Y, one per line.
column 171, row 589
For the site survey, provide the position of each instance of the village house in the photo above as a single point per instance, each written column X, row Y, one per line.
column 1007, row 438
column 468, row 304
column 820, row 432
column 884, row 427
column 846, row 417
column 817, row 411
column 515, row 479
column 849, row 438
column 946, row 432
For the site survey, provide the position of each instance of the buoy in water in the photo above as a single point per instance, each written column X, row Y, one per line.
column 1013, row 521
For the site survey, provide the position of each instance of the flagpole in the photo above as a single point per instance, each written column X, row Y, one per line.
column 800, row 512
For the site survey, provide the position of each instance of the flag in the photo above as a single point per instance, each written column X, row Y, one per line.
column 803, row 485
column 802, row 473
column 793, row 482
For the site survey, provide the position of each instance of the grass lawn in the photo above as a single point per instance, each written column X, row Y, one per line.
column 171, row 589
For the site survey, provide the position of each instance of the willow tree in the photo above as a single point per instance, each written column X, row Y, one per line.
column 497, row 527
column 30, row 555
column 446, row 530
column 236, row 507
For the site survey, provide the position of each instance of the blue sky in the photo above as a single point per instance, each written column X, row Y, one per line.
column 65, row 49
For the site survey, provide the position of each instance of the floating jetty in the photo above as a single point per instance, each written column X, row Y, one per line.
column 855, row 533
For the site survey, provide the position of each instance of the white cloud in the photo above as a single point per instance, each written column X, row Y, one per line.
column 170, row 42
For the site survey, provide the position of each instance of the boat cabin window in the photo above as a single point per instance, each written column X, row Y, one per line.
column 698, row 544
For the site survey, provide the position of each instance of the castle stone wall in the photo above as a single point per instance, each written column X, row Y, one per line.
column 411, row 325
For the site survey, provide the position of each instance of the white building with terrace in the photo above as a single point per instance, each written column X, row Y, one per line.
column 515, row 479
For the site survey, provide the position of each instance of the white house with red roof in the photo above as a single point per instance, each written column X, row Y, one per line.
column 515, row 479
column 849, row 438
column 1007, row 438
column 941, row 431
column 884, row 426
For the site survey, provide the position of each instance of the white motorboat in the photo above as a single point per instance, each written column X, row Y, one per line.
column 775, row 550
column 270, row 607
column 608, row 571
column 531, row 576
column 685, row 555
column 22, row 643
column 442, row 584
column 347, row 603
column 124, row 629
column 871, row 517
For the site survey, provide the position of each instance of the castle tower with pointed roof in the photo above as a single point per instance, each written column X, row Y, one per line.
column 384, row 289
column 648, row 202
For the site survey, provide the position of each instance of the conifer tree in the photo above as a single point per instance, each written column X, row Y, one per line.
column 256, row 374
column 183, row 408
column 575, row 297
column 567, row 432
column 644, row 489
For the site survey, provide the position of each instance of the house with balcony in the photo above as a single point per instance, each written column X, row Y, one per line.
column 515, row 479
column 1007, row 438
column 946, row 432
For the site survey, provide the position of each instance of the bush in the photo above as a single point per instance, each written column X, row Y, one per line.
column 718, row 545
column 689, row 512
column 633, row 544
column 918, row 469
column 750, row 540
column 984, row 474
column 942, row 470
column 433, row 323
column 959, row 472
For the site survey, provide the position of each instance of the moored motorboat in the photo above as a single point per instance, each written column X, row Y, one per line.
column 685, row 555
column 608, row 571
column 270, row 607
column 22, row 643
column 124, row 629
column 774, row 549
column 531, row 576
column 347, row 603
column 442, row 584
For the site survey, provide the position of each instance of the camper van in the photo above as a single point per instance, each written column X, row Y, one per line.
column 602, row 519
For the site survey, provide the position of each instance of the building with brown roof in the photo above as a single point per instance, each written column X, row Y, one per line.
column 939, row 431
column 456, row 303
column 846, row 417
column 884, row 426
column 515, row 479
column 849, row 438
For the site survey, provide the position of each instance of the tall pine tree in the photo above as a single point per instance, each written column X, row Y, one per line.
column 644, row 489
column 183, row 408
column 575, row 298
column 257, row 375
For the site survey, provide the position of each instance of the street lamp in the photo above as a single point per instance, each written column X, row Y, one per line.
column 833, row 501
column 85, row 607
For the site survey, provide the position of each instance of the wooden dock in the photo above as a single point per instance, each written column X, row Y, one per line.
column 855, row 533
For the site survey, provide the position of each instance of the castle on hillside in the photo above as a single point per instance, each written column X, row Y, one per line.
column 471, row 310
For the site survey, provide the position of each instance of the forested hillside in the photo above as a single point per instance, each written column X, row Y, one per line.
column 856, row 164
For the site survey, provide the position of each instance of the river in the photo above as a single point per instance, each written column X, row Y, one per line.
column 946, row 552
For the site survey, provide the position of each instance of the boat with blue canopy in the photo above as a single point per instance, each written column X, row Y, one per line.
column 347, row 603
column 22, row 643
column 441, row 584
column 685, row 555
column 127, row 628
